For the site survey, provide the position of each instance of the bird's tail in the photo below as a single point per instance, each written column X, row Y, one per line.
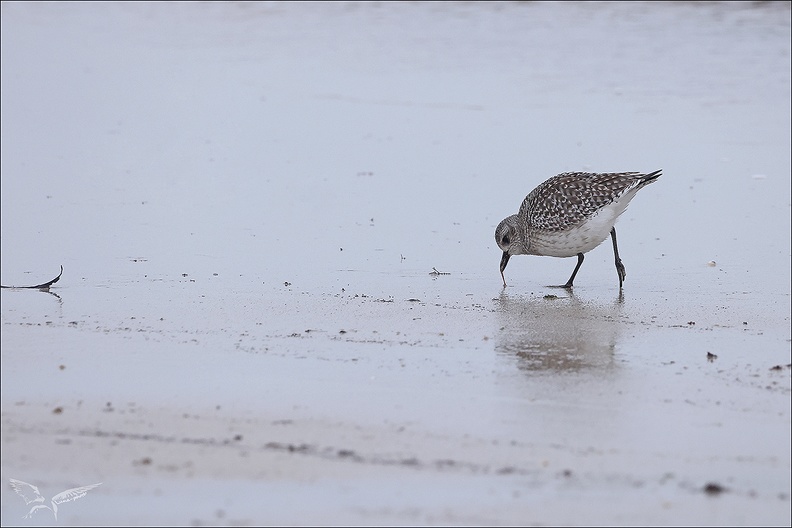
column 646, row 179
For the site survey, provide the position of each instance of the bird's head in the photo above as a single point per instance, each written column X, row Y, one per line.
column 507, row 237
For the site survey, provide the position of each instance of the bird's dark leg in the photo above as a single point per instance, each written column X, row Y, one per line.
column 572, row 278
column 619, row 266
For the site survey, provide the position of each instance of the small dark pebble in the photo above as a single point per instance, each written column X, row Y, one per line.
column 691, row 322
column 713, row 488
column 711, row 357
column 57, row 410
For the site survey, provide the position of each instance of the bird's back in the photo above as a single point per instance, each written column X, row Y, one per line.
column 569, row 199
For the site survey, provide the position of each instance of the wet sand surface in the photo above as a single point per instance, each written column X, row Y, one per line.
column 250, row 202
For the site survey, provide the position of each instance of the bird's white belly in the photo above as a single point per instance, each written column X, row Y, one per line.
column 579, row 239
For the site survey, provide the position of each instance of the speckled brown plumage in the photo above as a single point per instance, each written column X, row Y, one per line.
column 568, row 199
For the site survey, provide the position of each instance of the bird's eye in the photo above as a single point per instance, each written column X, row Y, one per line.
column 505, row 239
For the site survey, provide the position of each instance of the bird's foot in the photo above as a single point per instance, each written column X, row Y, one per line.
column 621, row 271
column 567, row 286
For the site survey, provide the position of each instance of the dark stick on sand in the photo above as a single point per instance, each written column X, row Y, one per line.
column 43, row 287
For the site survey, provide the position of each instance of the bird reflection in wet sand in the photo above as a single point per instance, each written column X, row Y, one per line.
column 558, row 334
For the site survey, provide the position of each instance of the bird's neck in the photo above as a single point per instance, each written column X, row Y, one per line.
column 524, row 242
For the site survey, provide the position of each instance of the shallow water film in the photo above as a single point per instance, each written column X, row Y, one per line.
column 280, row 300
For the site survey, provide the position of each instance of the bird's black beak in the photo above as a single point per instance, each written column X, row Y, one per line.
column 504, row 261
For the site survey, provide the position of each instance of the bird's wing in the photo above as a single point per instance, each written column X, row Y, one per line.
column 567, row 199
column 73, row 494
column 29, row 492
